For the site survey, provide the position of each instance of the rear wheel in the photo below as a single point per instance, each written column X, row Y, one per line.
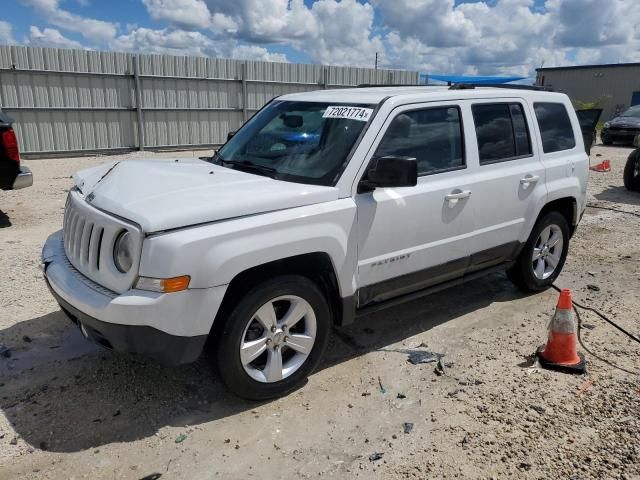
column 543, row 255
column 606, row 139
column 632, row 171
column 274, row 338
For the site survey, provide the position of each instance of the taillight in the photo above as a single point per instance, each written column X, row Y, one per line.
column 10, row 144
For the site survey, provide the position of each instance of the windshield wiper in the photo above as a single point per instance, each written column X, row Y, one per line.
column 247, row 166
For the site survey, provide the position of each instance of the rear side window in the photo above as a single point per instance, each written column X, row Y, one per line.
column 502, row 133
column 555, row 127
column 432, row 135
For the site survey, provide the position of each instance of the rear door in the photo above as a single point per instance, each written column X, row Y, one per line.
column 588, row 119
column 509, row 178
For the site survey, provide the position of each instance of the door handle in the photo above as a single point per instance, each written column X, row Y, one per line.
column 526, row 180
column 457, row 195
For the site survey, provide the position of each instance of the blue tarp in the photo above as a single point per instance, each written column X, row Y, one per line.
column 473, row 80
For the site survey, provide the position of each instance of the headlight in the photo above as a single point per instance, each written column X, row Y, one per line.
column 607, row 124
column 123, row 252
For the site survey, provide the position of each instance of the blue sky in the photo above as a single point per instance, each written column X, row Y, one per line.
column 486, row 37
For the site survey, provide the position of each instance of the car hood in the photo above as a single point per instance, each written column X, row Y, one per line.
column 626, row 122
column 161, row 194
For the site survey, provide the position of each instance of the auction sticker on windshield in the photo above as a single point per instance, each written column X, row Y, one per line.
column 350, row 113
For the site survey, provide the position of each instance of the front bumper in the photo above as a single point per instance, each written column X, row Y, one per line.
column 626, row 135
column 171, row 328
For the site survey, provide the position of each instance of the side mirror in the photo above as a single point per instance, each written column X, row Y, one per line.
column 636, row 141
column 230, row 135
column 390, row 171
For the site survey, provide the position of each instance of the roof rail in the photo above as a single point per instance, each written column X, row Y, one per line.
column 470, row 86
column 374, row 85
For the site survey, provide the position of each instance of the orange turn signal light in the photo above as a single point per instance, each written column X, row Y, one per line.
column 175, row 284
column 163, row 285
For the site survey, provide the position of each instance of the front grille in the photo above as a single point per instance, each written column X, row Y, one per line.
column 82, row 238
column 89, row 237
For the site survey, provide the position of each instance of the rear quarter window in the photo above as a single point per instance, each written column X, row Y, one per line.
column 555, row 127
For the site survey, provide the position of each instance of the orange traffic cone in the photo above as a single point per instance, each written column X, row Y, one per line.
column 604, row 166
column 561, row 352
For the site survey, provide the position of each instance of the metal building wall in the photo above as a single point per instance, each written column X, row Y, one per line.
column 613, row 84
column 68, row 101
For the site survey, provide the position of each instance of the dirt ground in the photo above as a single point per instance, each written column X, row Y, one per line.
column 70, row 410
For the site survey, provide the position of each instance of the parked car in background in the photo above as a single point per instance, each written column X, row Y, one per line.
column 632, row 168
column 324, row 206
column 13, row 176
column 622, row 128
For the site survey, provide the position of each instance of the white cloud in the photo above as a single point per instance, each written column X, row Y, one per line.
column 181, row 42
column 97, row 31
column 174, row 42
column 188, row 14
column 6, row 34
column 507, row 36
column 49, row 37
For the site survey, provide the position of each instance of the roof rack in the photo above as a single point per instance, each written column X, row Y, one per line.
column 471, row 86
column 374, row 85
column 463, row 86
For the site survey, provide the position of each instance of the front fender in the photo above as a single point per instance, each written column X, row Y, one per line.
column 213, row 254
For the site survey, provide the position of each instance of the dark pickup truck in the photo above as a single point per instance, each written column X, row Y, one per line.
column 12, row 175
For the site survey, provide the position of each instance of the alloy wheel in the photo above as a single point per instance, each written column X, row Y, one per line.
column 547, row 252
column 278, row 338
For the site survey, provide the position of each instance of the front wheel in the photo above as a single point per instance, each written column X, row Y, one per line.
column 274, row 338
column 543, row 255
column 632, row 171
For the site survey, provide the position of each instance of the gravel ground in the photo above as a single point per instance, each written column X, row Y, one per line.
column 71, row 410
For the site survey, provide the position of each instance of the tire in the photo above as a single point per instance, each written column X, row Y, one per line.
column 632, row 172
column 531, row 278
column 606, row 139
column 255, row 375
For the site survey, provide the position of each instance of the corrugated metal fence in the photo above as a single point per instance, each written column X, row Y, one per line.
column 75, row 101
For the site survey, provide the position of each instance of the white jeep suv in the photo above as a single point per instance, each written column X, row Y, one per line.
column 322, row 207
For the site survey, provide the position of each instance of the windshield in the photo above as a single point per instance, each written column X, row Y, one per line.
column 632, row 112
column 306, row 142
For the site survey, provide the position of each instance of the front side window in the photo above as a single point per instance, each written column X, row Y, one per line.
column 555, row 127
column 306, row 142
column 502, row 133
column 433, row 136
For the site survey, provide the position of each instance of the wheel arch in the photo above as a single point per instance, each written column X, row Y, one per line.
column 567, row 207
column 316, row 266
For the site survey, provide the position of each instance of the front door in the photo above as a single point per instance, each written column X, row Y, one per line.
column 414, row 237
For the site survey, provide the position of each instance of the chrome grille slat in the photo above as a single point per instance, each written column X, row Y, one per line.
column 77, row 235
column 94, row 248
column 88, row 238
column 84, row 243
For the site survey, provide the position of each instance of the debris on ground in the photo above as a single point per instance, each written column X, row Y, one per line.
column 5, row 351
column 181, row 438
column 376, row 456
column 585, row 387
column 440, row 368
column 153, row 476
column 417, row 357
column 407, row 427
column 382, row 389
column 26, row 339
column 593, row 288
column 401, row 396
